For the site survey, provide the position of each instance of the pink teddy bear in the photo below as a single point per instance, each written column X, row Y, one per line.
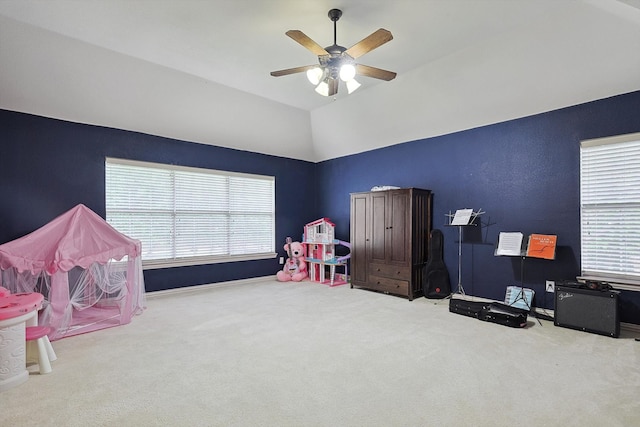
column 295, row 269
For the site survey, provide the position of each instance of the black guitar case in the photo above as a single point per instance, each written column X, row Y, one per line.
column 493, row 312
column 436, row 283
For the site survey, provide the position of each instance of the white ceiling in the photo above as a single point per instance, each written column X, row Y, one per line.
column 198, row 70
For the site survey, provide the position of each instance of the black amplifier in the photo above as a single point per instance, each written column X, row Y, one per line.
column 588, row 310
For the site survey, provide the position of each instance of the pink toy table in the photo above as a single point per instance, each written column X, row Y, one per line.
column 14, row 305
column 16, row 311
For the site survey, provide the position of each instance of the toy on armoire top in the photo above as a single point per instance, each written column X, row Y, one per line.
column 295, row 268
column 319, row 238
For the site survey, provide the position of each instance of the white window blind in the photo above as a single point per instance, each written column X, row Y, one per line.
column 610, row 208
column 188, row 216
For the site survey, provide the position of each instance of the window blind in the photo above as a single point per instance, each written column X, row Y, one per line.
column 187, row 216
column 610, row 207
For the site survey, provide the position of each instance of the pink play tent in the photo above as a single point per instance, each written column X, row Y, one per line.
column 89, row 273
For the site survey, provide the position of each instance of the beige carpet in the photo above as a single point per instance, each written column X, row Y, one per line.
column 304, row 354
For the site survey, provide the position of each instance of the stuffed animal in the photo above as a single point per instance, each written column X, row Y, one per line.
column 295, row 269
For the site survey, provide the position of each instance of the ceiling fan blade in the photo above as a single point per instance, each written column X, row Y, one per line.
column 376, row 73
column 305, row 41
column 292, row 70
column 333, row 86
column 372, row 41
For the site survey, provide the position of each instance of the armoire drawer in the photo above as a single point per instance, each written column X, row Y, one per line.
column 390, row 271
column 392, row 286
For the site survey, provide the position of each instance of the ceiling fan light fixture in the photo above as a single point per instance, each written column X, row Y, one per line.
column 323, row 88
column 352, row 85
column 314, row 75
column 347, row 72
column 337, row 62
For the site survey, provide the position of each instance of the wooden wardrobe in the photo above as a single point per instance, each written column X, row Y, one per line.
column 390, row 233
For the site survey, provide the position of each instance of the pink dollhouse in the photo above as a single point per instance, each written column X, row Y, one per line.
column 320, row 243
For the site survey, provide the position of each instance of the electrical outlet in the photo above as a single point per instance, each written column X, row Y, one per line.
column 550, row 286
column 281, row 260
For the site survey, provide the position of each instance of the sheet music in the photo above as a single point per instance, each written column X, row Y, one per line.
column 510, row 244
column 462, row 217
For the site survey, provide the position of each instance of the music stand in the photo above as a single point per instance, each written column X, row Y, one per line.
column 537, row 246
column 462, row 218
column 510, row 244
column 521, row 295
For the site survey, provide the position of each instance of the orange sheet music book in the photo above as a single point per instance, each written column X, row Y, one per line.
column 542, row 246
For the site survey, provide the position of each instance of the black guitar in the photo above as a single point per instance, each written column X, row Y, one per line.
column 436, row 283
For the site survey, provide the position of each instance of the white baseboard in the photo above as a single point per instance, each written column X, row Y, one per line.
column 631, row 327
column 200, row 288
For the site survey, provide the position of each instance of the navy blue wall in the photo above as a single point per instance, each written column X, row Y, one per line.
column 48, row 166
column 523, row 173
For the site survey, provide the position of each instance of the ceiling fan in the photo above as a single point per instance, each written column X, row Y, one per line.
column 337, row 62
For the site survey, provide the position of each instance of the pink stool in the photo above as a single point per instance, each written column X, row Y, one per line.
column 45, row 350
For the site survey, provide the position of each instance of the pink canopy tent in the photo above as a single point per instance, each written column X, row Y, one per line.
column 89, row 273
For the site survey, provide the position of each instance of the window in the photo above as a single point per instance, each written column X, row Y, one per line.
column 189, row 216
column 610, row 208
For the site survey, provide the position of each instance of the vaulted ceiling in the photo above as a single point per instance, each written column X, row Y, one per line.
column 199, row 70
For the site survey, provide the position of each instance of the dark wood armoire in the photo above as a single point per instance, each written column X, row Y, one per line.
column 390, row 233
